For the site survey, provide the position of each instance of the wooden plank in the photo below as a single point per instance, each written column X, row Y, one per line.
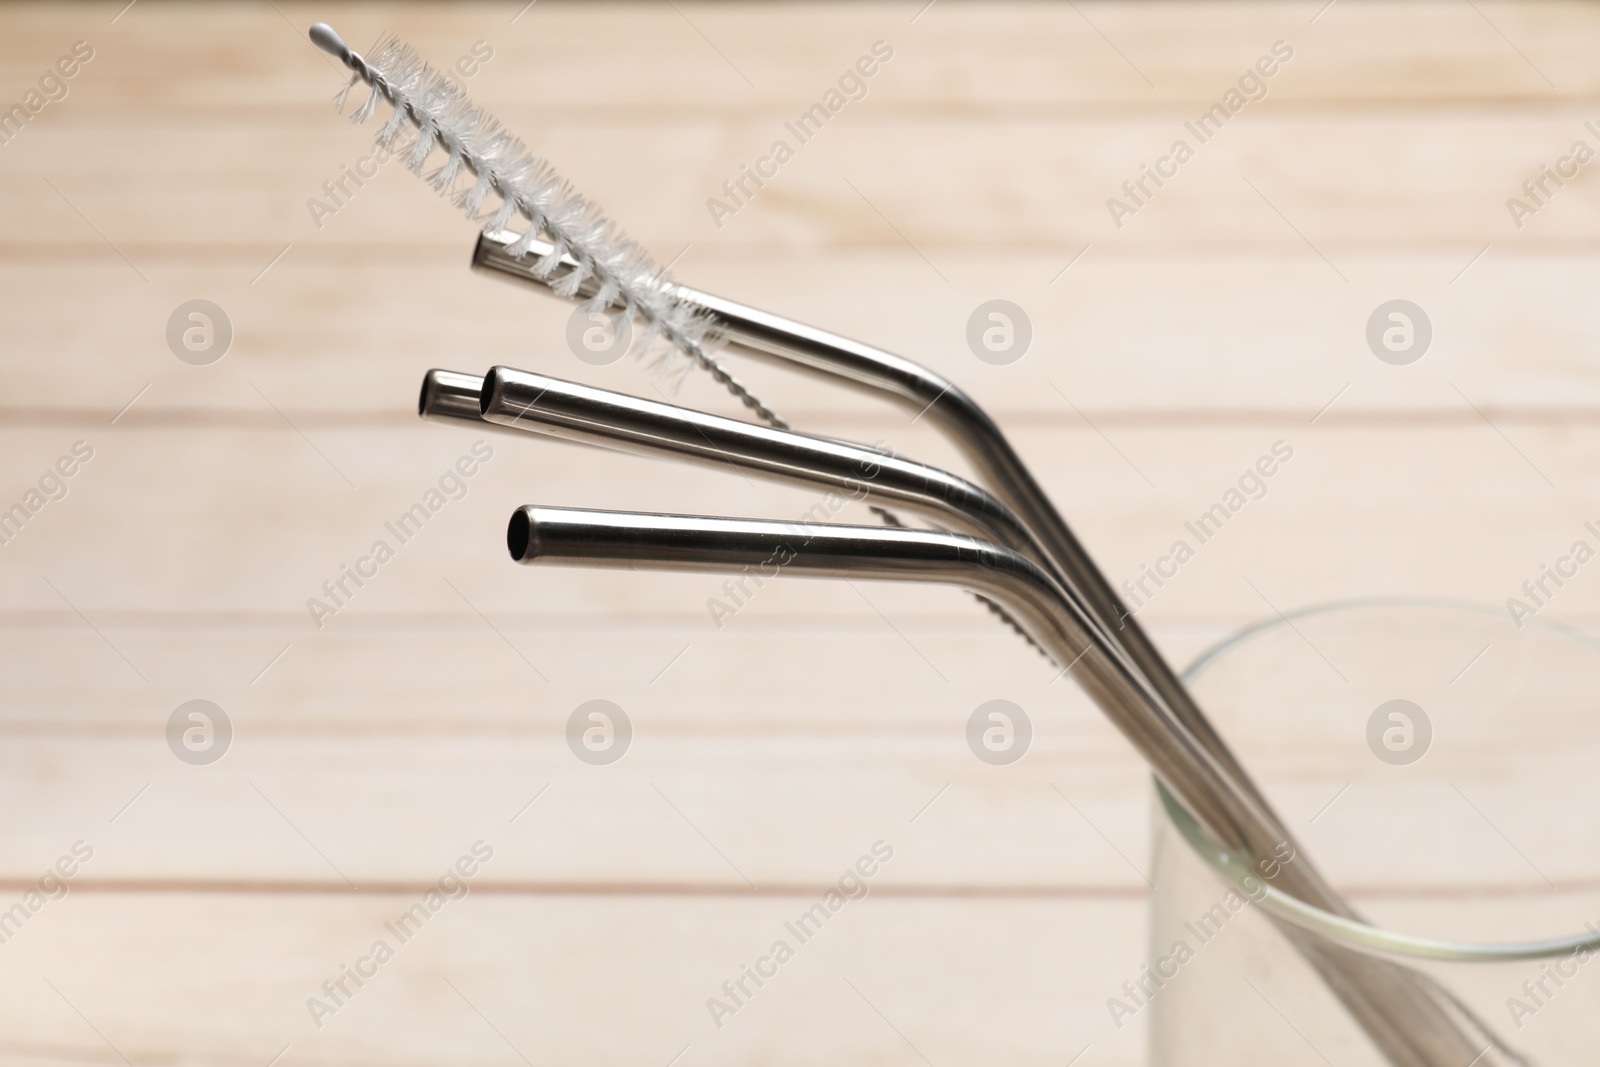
column 1101, row 56
column 1348, row 185
column 458, row 677
column 958, row 979
column 255, row 520
column 1026, row 981
column 696, row 810
column 715, row 809
column 334, row 334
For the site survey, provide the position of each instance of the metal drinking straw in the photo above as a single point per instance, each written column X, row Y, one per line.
column 1029, row 595
column 530, row 403
column 1027, row 591
column 538, row 403
column 1401, row 1010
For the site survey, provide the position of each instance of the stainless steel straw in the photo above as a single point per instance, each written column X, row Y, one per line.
column 523, row 402
column 449, row 396
column 1406, row 1014
column 537, row 403
column 590, row 538
column 1029, row 594
column 1054, row 620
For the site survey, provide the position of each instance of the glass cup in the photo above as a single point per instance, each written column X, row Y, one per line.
column 1440, row 763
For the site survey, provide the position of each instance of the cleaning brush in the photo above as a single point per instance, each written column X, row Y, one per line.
column 594, row 248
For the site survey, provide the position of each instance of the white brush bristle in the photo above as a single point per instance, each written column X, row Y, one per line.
column 471, row 140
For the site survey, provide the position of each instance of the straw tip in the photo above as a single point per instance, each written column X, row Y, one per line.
column 522, row 536
column 448, row 394
column 323, row 36
column 493, row 386
column 428, row 395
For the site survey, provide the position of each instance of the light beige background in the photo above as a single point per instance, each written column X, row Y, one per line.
column 1226, row 315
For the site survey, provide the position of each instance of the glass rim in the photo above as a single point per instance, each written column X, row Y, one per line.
column 1360, row 936
column 1215, row 651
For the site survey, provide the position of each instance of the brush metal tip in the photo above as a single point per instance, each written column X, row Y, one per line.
column 324, row 37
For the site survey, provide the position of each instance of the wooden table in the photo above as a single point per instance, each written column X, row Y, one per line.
column 1174, row 340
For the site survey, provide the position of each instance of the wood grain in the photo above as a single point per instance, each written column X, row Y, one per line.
column 1228, row 313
